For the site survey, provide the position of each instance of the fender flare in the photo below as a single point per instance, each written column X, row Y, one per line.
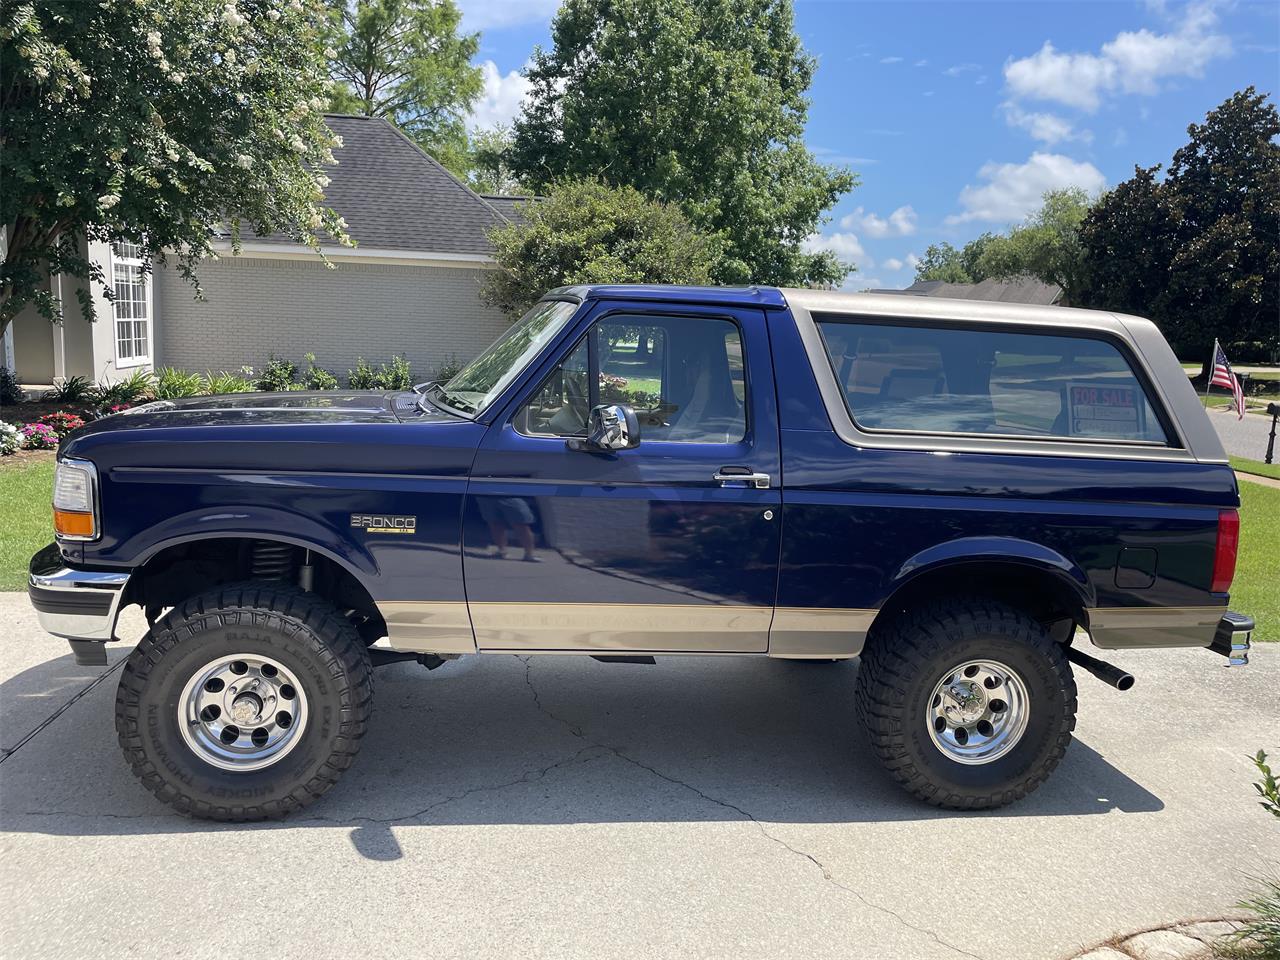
column 1009, row 550
column 257, row 523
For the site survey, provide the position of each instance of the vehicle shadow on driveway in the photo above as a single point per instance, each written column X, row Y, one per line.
column 540, row 740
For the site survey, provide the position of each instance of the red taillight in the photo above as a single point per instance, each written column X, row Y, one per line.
column 1224, row 552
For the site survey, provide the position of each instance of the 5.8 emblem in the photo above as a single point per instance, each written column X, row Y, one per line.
column 382, row 523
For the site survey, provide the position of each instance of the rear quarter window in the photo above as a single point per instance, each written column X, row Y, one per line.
column 951, row 380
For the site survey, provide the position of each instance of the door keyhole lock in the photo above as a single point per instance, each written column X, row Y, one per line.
column 768, row 514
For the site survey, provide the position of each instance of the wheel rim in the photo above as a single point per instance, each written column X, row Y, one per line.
column 242, row 712
column 978, row 711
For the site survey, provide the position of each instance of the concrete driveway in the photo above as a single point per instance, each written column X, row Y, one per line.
column 567, row 808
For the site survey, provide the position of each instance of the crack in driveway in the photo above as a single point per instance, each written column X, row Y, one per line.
column 746, row 815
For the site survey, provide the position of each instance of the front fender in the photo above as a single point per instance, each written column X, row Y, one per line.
column 260, row 523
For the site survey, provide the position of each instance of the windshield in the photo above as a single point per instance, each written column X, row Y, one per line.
column 480, row 382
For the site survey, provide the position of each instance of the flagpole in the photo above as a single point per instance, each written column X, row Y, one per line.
column 1208, row 381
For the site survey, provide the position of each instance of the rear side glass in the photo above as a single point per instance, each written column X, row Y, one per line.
column 988, row 382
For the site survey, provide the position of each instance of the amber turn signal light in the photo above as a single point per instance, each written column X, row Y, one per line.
column 67, row 523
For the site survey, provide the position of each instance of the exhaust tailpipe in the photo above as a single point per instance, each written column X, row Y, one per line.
column 1106, row 672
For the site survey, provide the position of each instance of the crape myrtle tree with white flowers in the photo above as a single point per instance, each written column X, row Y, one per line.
column 156, row 122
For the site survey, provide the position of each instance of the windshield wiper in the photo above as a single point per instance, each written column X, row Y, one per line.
column 447, row 401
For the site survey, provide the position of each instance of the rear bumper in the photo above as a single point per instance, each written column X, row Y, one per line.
column 1232, row 638
column 80, row 605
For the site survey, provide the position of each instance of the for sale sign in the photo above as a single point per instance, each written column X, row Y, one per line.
column 1106, row 410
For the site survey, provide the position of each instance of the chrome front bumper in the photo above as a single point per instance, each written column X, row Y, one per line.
column 80, row 605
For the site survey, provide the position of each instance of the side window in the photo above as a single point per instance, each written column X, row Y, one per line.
column 559, row 407
column 981, row 381
column 683, row 377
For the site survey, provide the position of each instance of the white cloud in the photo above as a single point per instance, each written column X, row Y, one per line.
column 846, row 246
column 501, row 99
column 1048, row 128
column 922, row 63
column 962, row 68
column 1133, row 62
column 890, row 59
column 900, row 223
column 912, row 260
column 490, row 14
column 1013, row 190
column 893, row 263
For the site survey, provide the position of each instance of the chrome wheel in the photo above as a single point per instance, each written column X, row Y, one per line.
column 242, row 712
column 978, row 711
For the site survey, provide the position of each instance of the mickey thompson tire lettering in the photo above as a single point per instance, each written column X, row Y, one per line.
column 305, row 635
column 905, row 660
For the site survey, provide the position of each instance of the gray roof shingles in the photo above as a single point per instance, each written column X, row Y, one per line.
column 1023, row 290
column 395, row 196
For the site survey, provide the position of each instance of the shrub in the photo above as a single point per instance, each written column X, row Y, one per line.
column 228, row 382
column 174, row 384
column 280, row 374
column 10, row 439
column 447, row 369
column 38, row 436
column 362, row 377
column 139, row 385
column 119, row 408
column 71, row 390
column 318, row 378
column 62, row 422
column 397, row 375
column 11, row 391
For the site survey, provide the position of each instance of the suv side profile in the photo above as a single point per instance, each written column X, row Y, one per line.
column 962, row 494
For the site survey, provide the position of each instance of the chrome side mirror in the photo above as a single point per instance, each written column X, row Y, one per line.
column 610, row 427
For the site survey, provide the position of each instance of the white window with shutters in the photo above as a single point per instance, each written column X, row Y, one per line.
column 132, row 307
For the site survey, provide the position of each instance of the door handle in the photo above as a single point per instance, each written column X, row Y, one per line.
column 743, row 475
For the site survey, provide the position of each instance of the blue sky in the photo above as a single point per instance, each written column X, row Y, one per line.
column 958, row 116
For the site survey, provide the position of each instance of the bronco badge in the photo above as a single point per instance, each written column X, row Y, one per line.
column 380, row 523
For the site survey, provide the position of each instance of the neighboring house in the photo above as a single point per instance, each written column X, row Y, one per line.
column 1024, row 290
column 410, row 286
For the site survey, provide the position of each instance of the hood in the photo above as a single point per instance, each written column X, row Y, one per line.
column 285, row 409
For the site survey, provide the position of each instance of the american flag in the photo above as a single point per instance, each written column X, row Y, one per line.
column 1223, row 377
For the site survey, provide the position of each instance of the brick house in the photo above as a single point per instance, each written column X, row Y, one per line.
column 410, row 286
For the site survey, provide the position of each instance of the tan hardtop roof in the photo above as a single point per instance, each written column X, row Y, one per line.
column 943, row 309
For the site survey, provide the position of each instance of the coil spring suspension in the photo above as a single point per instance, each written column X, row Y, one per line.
column 272, row 561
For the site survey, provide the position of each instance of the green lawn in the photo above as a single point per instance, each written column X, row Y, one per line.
column 26, row 520
column 1257, row 587
column 26, row 526
column 1256, row 467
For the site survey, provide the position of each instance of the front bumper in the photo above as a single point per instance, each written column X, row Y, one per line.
column 80, row 605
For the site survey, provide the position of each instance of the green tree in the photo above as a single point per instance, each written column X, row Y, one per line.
column 701, row 103
column 489, row 166
column 154, row 122
column 1199, row 251
column 588, row 232
column 405, row 60
column 1047, row 246
column 944, row 262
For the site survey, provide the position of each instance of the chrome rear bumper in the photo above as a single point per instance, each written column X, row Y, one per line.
column 80, row 605
column 1232, row 638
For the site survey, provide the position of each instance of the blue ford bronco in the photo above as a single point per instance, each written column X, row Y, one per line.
column 962, row 494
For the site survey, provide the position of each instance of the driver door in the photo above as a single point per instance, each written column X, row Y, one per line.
column 652, row 549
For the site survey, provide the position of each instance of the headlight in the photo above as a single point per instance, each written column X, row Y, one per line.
column 75, row 500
